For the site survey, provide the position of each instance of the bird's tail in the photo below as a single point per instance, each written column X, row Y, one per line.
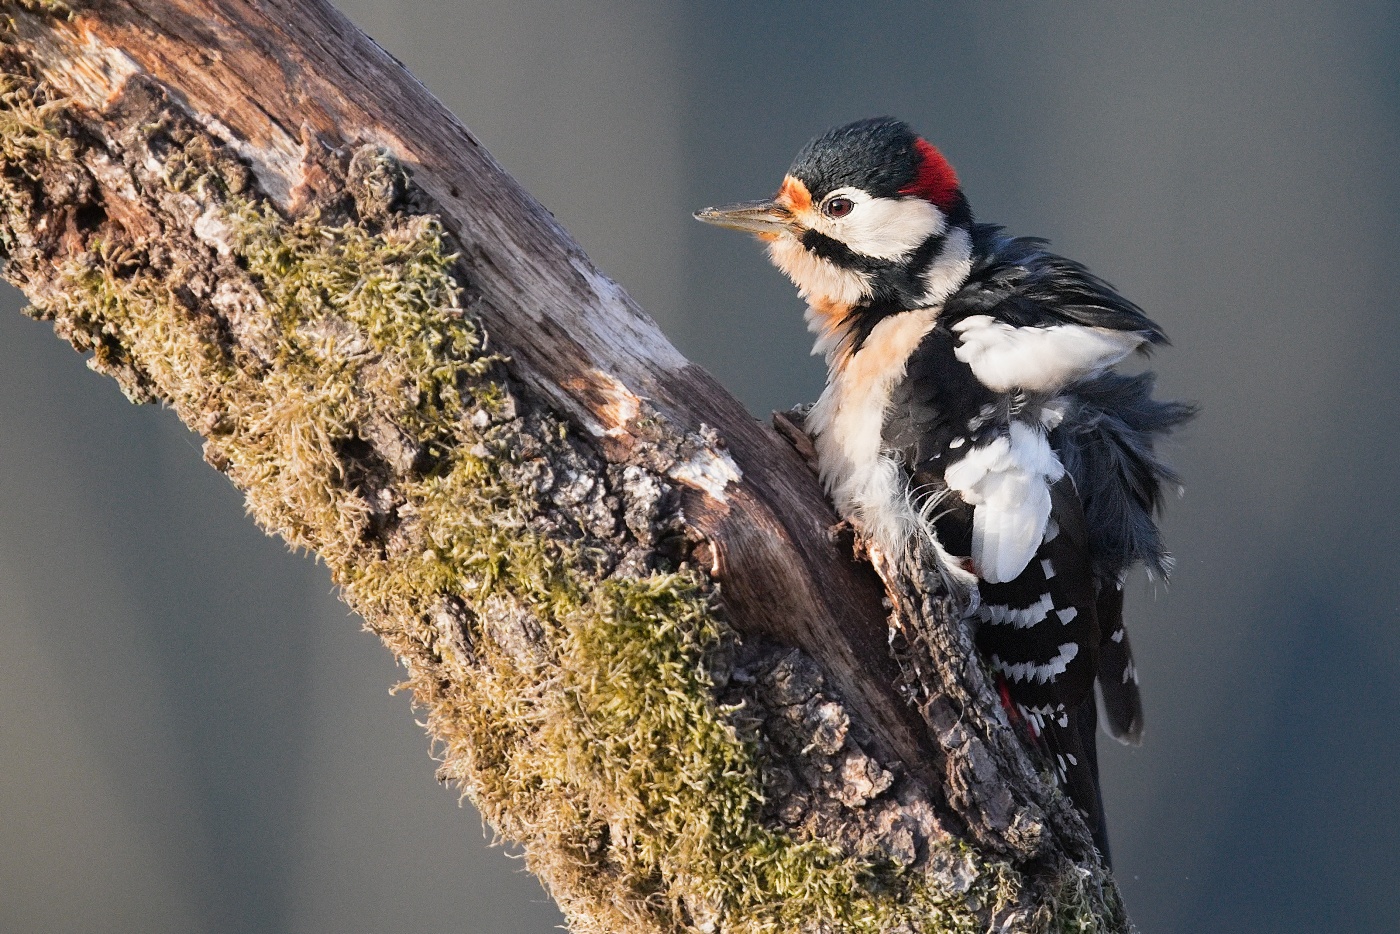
column 1073, row 749
column 1117, row 680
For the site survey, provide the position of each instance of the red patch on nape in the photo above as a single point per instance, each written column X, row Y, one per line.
column 936, row 181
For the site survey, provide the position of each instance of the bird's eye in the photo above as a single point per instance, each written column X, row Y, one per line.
column 838, row 207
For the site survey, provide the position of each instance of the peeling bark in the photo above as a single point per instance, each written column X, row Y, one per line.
column 643, row 651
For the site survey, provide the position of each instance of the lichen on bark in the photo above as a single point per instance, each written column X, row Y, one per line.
column 579, row 679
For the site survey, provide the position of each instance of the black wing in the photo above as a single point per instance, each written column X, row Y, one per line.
column 1039, row 631
column 1107, row 443
column 1103, row 510
column 1018, row 281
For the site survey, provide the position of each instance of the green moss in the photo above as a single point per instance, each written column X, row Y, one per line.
column 31, row 135
column 1084, row 903
column 602, row 749
column 29, row 126
column 628, row 736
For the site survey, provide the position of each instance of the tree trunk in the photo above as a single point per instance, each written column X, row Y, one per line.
column 642, row 647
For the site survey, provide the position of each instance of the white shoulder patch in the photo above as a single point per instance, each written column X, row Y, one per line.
column 1040, row 359
column 1007, row 484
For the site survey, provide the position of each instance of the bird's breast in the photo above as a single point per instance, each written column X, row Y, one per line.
column 864, row 479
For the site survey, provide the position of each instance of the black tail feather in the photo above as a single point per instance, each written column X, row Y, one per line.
column 1073, row 750
column 1117, row 681
column 1086, row 721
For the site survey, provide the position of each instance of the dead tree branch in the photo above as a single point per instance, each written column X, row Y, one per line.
column 641, row 651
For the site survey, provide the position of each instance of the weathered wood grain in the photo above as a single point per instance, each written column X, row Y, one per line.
column 285, row 83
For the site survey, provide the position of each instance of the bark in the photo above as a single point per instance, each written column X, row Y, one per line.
column 643, row 646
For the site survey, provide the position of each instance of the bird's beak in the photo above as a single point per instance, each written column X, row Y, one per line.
column 766, row 219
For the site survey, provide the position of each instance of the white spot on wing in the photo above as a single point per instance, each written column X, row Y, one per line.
column 1040, row 674
column 1022, row 618
column 1053, row 412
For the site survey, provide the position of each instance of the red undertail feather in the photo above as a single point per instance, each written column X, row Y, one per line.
column 1010, row 706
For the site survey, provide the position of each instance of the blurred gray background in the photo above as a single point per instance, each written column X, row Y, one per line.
column 194, row 736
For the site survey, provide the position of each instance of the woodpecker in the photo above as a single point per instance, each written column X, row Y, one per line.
column 972, row 412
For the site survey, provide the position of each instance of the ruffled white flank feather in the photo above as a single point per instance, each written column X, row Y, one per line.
column 1007, row 482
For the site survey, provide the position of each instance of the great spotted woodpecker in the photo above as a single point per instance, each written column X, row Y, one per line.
column 971, row 411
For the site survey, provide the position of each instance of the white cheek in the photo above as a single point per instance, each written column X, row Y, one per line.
column 815, row 277
column 886, row 228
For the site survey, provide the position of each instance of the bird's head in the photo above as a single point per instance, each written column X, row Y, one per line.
column 869, row 215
